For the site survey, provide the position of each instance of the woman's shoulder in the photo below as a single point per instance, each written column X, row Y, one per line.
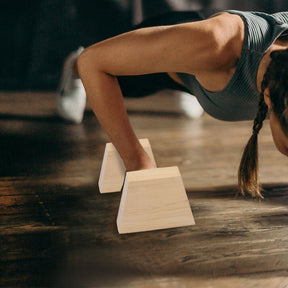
column 262, row 29
column 229, row 30
column 230, row 35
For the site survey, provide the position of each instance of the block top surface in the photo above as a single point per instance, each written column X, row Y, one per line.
column 144, row 142
column 153, row 174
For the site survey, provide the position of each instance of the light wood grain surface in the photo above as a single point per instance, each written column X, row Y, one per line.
column 153, row 199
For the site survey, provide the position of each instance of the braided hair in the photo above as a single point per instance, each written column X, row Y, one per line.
column 276, row 79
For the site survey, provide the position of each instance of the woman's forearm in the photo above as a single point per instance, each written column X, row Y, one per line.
column 105, row 97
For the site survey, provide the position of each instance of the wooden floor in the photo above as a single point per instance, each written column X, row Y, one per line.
column 58, row 231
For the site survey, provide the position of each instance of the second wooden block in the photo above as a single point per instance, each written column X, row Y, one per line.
column 112, row 171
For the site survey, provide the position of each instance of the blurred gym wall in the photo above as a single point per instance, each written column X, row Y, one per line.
column 38, row 34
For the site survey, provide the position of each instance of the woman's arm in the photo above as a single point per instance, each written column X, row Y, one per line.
column 189, row 48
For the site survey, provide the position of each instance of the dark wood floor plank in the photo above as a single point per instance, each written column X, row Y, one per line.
column 57, row 230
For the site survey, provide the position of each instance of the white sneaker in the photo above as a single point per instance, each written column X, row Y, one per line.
column 190, row 105
column 71, row 96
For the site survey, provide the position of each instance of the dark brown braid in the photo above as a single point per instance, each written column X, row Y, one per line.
column 275, row 79
column 248, row 169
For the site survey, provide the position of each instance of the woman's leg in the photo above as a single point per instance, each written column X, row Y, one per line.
column 143, row 85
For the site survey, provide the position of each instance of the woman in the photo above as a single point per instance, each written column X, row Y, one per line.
column 235, row 63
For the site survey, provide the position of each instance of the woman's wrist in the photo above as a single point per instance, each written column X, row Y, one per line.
column 139, row 162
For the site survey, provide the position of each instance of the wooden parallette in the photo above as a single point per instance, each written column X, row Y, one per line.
column 153, row 199
column 112, row 171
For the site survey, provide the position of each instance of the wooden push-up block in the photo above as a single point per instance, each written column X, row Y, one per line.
column 112, row 171
column 153, row 199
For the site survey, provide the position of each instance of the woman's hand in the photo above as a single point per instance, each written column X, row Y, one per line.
column 140, row 163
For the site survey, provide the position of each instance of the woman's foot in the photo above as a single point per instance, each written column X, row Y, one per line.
column 190, row 105
column 71, row 97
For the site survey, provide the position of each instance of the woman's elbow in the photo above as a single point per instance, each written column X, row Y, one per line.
column 84, row 62
column 89, row 62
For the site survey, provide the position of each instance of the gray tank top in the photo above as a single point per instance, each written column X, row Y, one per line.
column 239, row 99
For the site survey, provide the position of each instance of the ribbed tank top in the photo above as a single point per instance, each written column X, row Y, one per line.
column 239, row 99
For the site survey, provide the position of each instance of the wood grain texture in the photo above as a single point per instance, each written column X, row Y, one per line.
column 153, row 199
column 57, row 230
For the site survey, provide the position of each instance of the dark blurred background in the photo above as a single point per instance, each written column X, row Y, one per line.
column 37, row 34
